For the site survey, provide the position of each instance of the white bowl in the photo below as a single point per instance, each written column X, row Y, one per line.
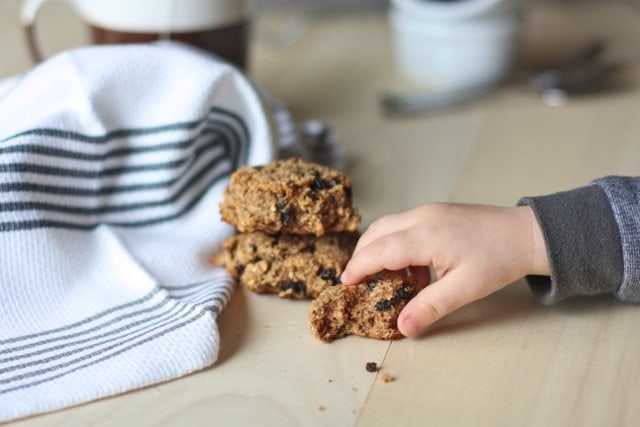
column 456, row 54
column 461, row 9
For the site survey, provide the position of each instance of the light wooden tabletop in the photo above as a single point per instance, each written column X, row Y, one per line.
column 503, row 361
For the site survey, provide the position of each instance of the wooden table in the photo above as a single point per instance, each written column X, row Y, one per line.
column 503, row 361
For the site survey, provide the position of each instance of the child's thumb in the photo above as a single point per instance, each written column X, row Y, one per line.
column 434, row 302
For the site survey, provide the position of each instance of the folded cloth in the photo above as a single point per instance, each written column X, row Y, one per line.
column 112, row 164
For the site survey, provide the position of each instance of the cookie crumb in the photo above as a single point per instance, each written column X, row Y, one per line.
column 330, row 380
column 321, row 408
column 371, row 367
column 386, row 378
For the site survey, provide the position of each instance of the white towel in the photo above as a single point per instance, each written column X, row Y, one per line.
column 112, row 165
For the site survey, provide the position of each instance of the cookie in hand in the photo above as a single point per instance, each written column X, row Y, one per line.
column 368, row 309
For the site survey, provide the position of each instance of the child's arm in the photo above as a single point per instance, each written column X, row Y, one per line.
column 584, row 241
column 474, row 250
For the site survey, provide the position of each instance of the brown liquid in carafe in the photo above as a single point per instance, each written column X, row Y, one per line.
column 229, row 42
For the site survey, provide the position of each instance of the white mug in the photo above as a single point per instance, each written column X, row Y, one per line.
column 220, row 26
column 454, row 10
column 456, row 45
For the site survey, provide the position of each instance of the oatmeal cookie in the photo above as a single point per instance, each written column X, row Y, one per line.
column 292, row 266
column 368, row 309
column 290, row 196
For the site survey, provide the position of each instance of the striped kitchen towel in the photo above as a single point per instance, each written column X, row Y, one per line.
column 113, row 160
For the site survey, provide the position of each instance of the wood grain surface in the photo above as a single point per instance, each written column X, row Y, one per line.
column 503, row 361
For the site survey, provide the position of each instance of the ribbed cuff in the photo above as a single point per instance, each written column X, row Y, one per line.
column 583, row 244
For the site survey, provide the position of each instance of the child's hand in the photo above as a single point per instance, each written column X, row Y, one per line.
column 474, row 250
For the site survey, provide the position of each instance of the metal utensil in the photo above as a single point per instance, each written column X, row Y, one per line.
column 407, row 103
column 583, row 71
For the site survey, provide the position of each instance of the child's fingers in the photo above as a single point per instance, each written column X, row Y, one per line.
column 389, row 252
column 385, row 225
column 422, row 274
column 434, row 302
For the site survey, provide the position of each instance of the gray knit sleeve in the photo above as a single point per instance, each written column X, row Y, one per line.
column 623, row 193
column 583, row 244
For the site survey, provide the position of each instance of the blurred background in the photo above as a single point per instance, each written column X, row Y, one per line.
column 333, row 60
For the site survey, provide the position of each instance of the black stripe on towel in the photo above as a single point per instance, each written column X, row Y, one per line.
column 99, row 348
column 130, row 132
column 71, row 225
column 95, row 360
column 83, row 324
column 115, row 336
column 230, row 134
column 83, row 210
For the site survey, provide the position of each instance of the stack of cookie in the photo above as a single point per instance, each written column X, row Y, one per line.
column 297, row 227
column 297, row 231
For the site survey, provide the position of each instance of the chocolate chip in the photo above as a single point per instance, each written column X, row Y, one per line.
column 308, row 249
column 371, row 367
column 276, row 238
column 384, row 305
column 328, row 274
column 282, row 202
column 313, row 195
column 372, row 284
column 347, row 191
column 403, row 293
column 257, row 168
column 284, row 214
column 285, row 217
column 318, row 184
column 254, row 247
column 333, row 182
column 298, row 287
column 239, row 268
